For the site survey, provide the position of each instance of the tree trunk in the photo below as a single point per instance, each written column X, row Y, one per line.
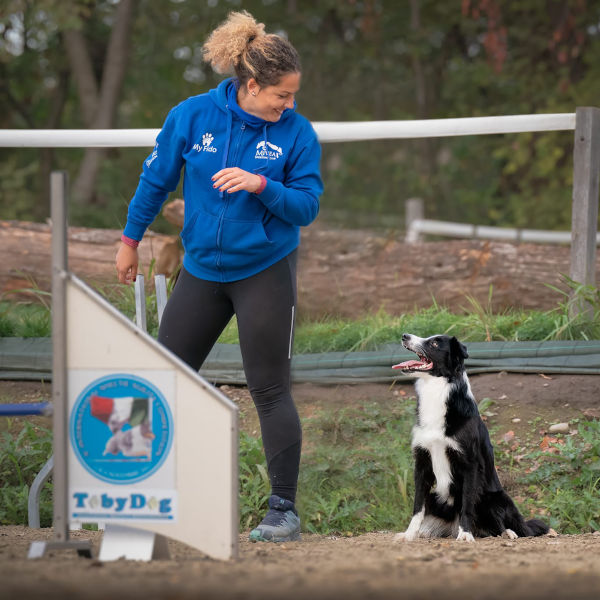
column 425, row 145
column 42, row 208
column 107, row 98
column 83, row 74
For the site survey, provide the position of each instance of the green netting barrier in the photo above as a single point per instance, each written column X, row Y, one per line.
column 31, row 358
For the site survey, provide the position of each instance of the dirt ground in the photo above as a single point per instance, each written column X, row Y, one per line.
column 361, row 567
column 364, row 566
column 349, row 273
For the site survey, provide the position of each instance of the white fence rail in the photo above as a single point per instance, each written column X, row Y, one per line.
column 586, row 155
column 327, row 132
column 416, row 228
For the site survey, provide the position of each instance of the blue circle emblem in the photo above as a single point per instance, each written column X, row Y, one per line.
column 121, row 428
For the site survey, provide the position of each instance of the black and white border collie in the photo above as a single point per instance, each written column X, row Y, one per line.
column 457, row 490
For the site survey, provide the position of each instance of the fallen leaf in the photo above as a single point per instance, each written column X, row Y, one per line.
column 545, row 444
column 544, row 376
column 508, row 436
column 546, row 441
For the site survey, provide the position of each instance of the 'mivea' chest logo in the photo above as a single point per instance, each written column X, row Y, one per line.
column 266, row 150
column 206, row 146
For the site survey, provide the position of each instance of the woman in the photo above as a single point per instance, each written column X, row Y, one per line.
column 251, row 179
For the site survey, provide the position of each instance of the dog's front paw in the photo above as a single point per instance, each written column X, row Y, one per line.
column 510, row 534
column 405, row 536
column 464, row 536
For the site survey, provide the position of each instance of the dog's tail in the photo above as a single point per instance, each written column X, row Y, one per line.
column 531, row 528
column 514, row 520
column 535, row 527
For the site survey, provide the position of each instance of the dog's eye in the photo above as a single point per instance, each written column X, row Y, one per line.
column 434, row 344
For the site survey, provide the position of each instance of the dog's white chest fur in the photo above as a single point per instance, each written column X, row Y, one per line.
column 429, row 433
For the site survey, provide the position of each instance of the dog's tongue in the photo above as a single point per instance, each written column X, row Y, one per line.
column 409, row 364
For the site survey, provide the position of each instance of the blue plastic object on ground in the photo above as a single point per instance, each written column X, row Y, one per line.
column 26, row 409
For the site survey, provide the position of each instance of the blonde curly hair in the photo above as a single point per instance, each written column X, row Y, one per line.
column 240, row 45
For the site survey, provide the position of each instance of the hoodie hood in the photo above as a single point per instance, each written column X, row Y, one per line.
column 225, row 97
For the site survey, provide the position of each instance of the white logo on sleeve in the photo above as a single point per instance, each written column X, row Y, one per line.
column 206, row 146
column 268, row 151
column 153, row 157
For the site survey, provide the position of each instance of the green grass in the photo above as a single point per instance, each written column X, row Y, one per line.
column 566, row 485
column 356, row 473
column 21, row 458
column 577, row 317
column 25, row 319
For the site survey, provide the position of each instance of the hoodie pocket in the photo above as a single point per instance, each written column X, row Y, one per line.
column 239, row 243
column 244, row 243
column 199, row 234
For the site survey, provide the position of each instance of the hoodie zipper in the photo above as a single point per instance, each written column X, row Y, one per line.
column 226, row 200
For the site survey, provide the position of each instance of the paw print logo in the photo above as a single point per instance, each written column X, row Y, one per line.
column 207, row 139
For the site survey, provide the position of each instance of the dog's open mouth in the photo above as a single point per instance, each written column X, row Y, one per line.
column 423, row 364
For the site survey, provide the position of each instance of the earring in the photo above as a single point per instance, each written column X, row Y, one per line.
column 253, row 93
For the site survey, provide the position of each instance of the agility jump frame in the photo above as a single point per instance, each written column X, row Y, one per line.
column 96, row 347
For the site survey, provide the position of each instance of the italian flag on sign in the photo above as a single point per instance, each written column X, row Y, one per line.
column 126, row 409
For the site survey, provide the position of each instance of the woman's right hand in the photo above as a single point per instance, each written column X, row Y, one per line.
column 127, row 263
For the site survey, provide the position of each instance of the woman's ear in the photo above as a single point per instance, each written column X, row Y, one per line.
column 252, row 87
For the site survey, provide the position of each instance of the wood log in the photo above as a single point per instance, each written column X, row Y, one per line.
column 27, row 262
column 349, row 273
column 340, row 272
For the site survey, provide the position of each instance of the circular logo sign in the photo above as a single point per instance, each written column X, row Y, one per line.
column 121, row 428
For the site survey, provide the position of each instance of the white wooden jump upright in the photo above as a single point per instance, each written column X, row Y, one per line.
column 142, row 443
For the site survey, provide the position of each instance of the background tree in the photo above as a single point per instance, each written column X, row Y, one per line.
column 374, row 59
column 98, row 100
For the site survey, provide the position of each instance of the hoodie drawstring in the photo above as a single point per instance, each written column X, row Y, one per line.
column 227, row 141
column 266, row 146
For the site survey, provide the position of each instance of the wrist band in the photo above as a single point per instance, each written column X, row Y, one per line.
column 263, row 184
column 129, row 241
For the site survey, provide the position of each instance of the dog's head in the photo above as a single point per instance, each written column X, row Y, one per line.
column 439, row 356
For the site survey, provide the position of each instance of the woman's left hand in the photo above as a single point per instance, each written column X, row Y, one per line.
column 234, row 179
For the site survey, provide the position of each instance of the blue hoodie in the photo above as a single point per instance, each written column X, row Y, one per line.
column 227, row 237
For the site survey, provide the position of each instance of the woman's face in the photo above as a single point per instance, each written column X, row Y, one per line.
column 269, row 102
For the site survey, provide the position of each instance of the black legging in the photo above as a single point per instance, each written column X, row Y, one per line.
column 196, row 314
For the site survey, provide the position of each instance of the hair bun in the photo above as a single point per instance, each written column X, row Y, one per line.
column 226, row 44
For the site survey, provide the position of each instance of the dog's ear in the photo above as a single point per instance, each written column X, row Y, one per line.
column 459, row 348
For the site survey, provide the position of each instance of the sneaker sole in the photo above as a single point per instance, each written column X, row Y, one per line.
column 256, row 537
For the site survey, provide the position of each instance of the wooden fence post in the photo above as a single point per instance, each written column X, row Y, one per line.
column 586, row 172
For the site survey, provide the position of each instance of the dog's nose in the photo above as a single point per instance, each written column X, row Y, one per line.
column 405, row 337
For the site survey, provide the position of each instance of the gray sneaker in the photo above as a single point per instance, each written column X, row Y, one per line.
column 281, row 523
